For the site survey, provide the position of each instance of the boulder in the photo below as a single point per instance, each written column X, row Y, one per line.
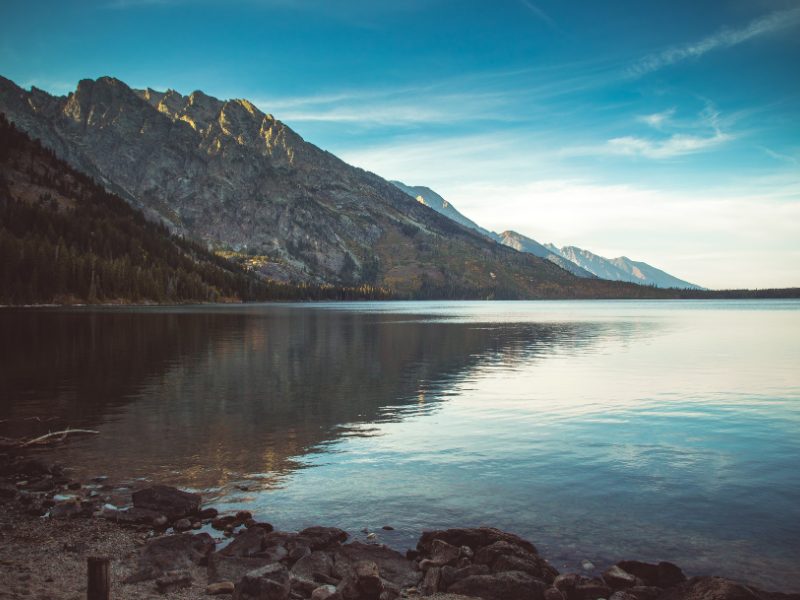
column 394, row 567
column 248, row 543
column 167, row 500
column 324, row 592
column 432, row 581
column 232, row 568
column 532, row 564
column 553, row 593
column 172, row 553
column 270, row 582
column 443, row 553
column 508, row 585
column 133, row 516
column 717, row 588
column 589, row 589
column 664, row 574
column 314, row 567
column 475, row 538
column 368, row 580
column 323, row 538
column 451, row 574
column 618, row 578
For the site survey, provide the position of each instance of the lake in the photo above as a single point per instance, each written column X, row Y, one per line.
column 600, row 430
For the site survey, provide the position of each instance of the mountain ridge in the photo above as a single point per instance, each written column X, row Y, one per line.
column 242, row 182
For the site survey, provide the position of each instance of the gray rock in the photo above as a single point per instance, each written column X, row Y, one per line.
column 222, row 587
column 618, row 578
column 270, row 582
column 172, row 553
column 663, row 574
column 232, row 568
column 173, row 580
column 508, row 585
column 443, row 553
column 166, row 500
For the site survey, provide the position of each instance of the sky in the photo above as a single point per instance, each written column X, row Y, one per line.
column 665, row 131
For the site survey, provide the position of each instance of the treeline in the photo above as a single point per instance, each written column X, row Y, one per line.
column 63, row 238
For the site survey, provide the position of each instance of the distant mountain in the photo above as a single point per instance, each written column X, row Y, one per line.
column 425, row 195
column 525, row 244
column 622, row 269
column 248, row 187
column 580, row 263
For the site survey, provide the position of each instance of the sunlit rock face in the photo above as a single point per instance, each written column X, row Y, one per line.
column 228, row 174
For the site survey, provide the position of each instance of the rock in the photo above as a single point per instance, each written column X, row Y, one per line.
column 323, row 538
column 368, row 579
column 664, row 574
column 323, row 592
column 243, row 515
column 132, row 516
column 232, row 568
column 166, row 500
column 587, row 565
column 183, row 525
column 443, row 553
column 644, row 592
column 74, row 485
column 553, row 593
column 387, row 528
column 69, row 510
column 7, row 492
column 221, row 523
column 208, row 513
column 616, row 577
column 222, row 587
column 711, row 588
column 567, row 582
column 247, row 543
column 432, row 581
column 172, row 553
column 270, row 582
column 622, row 595
column 173, row 580
column 394, row 567
column 298, row 552
column 508, row 585
column 475, row 538
column 450, row 575
column 589, row 589
column 505, row 556
column 313, row 567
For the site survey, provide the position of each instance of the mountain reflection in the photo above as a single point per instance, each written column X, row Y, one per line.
column 207, row 397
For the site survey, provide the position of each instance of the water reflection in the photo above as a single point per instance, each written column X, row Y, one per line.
column 204, row 398
column 600, row 430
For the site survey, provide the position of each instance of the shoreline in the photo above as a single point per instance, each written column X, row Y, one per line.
column 50, row 524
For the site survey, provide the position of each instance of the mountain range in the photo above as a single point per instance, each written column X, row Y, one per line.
column 249, row 188
column 577, row 261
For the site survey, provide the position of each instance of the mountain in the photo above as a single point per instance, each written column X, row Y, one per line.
column 63, row 238
column 580, row 263
column 622, row 269
column 525, row 244
column 425, row 195
column 247, row 186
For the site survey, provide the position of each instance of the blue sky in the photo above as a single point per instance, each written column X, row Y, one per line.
column 665, row 131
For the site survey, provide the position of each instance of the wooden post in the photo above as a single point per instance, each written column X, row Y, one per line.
column 99, row 581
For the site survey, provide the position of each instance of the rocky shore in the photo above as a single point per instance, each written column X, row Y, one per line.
column 50, row 524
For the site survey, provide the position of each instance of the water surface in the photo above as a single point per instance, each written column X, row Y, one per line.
column 604, row 430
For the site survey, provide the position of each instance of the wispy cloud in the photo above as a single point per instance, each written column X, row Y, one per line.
column 659, row 119
column 725, row 38
column 540, row 14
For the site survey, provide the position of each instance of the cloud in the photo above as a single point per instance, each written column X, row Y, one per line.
column 725, row 38
column 540, row 14
column 659, row 119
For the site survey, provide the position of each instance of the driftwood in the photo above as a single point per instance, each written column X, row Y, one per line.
column 48, row 438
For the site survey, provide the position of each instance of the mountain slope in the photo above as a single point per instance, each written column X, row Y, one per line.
column 243, row 182
column 623, row 269
column 525, row 244
column 425, row 195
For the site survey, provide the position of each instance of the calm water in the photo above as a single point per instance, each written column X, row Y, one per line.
column 600, row 430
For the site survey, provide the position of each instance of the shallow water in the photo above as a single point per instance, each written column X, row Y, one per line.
column 603, row 430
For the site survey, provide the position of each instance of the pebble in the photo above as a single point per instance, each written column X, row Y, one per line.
column 223, row 587
column 587, row 565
